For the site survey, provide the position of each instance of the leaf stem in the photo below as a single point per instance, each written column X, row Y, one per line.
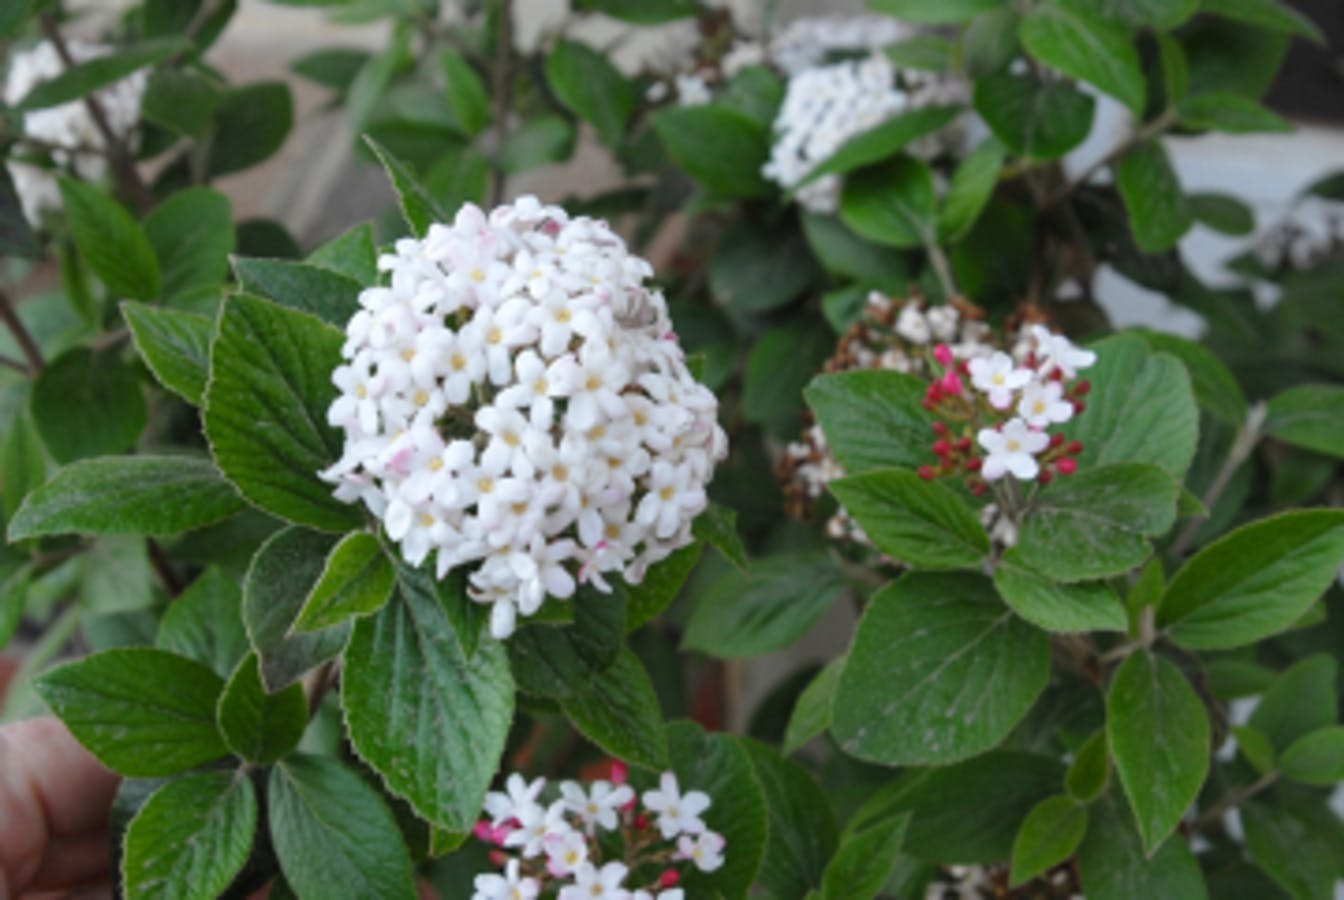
column 501, row 75
column 1242, row 445
column 1150, row 130
column 1233, row 799
column 122, row 162
column 163, row 568
column 941, row 267
column 21, row 335
column 14, row 364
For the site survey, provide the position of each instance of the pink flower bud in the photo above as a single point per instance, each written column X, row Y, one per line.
column 619, row 772
column 928, row 473
column 940, row 429
column 484, row 831
column 951, row 383
column 1067, row 466
column 498, row 858
column 669, row 878
column 943, row 354
column 941, row 447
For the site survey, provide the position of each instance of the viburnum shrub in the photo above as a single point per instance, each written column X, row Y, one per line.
column 422, row 559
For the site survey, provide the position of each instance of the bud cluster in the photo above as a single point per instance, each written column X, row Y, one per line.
column 563, row 848
column 515, row 400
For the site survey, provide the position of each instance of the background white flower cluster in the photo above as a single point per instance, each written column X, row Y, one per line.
column 557, row 844
column 67, row 133
column 516, row 397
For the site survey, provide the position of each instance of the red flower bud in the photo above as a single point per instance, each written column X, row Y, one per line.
column 642, row 822
column 1045, row 477
column 928, row 473
column 1075, row 447
column 1067, row 466
column 974, row 463
column 619, row 772
column 963, row 444
column 1081, row 388
column 940, row 428
column 1078, row 406
column 941, row 447
column 669, row 878
column 1056, row 440
column 498, row 858
column 484, row 831
column 977, row 486
column 943, row 354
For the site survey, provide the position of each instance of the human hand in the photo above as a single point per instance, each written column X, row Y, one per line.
column 54, row 802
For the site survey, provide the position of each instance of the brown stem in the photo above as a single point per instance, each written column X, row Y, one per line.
column 1146, row 132
column 123, row 164
column 14, row 364
column 21, row 335
column 322, row 682
column 163, row 568
column 500, row 77
column 1233, row 799
column 1242, row 445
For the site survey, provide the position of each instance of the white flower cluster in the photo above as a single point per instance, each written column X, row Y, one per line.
column 515, row 398
column 1033, row 394
column 67, row 131
column 813, row 40
column 557, row 845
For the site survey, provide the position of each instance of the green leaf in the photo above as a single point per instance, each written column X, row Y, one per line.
column 1159, row 14
column 83, row 79
column 1141, row 408
column 329, row 295
column 127, row 495
column 191, row 838
column 802, row 832
column 1158, row 215
column 181, row 101
column 357, row 581
column 921, row 523
column 417, row 206
column 586, row 83
column 892, row 204
column 1255, row 746
column 619, row 712
column 811, row 715
column 938, row 671
column 778, row 368
column 1309, row 416
column 721, row 148
column 258, row 726
column 967, row 812
column 882, row 141
column 16, row 235
column 1159, row 734
column 1113, row 865
column 281, row 575
column 1230, row 113
column 113, row 243
column 765, row 608
column 143, row 712
column 1094, row 524
column 661, row 585
column 205, row 622
column 545, row 139
column 865, row 861
column 843, row 253
column 642, row 12
column 1080, row 44
column 1270, row 15
column 558, row 662
column 15, row 14
column 1175, row 70
column 466, row 94
column 756, row 271
column 23, row 463
column 14, row 587
column 429, row 720
column 927, row 52
column 266, row 410
column 1256, row 581
column 989, row 44
column 1299, row 701
column 1034, row 118
column 718, row 765
column 1215, row 387
column 933, row 12
column 354, row 254
column 88, row 403
column 175, row 345
column 1090, row 771
column 1056, row 607
column 872, row 419
column 333, row 834
column 192, row 236
column 1050, row 833
column 251, row 123
column 1292, row 850
column 717, row 526
column 972, row 184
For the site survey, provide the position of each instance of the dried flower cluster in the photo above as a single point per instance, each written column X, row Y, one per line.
column 66, row 135
column 559, row 846
column 515, row 399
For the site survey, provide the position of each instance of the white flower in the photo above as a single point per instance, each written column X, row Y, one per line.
column 998, row 376
column 512, row 387
column 591, row 883
column 512, row 885
column 598, row 805
column 1012, row 449
column 1055, row 351
column 678, row 813
column 536, row 827
column 912, row 324
column 705, row 850
column 808, row 41
column 670, row 894
column 518, row 795
column 693, row 90
column 565, row 852
column 1043, row 404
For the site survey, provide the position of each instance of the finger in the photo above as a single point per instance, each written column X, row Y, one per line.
column 49, row 787
column 73, row 861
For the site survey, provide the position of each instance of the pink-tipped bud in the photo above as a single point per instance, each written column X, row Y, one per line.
column 1074, row 448
column 619, row 772
column 940, row 429
column 498, row 858
column 1067, row 466
column 1045, row 477
column 963, row 444
column 943, row 354
column 951, row 384
column 1056, row 440
column 669, row 878
column 1082, row 388
column 974, row 463
column 928, row 473
column 941, row 447
column 484, row 831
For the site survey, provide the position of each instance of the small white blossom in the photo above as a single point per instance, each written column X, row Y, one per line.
column 536, row 827
column 998, row 376
column 1012, row 449
column 591, row 883
column 565, row 852
column 1055, row 351
column 599, row 805
column 518, row 797
column 1043, row 404
column 512, row 885
column 678, row 813
column 705, row 850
